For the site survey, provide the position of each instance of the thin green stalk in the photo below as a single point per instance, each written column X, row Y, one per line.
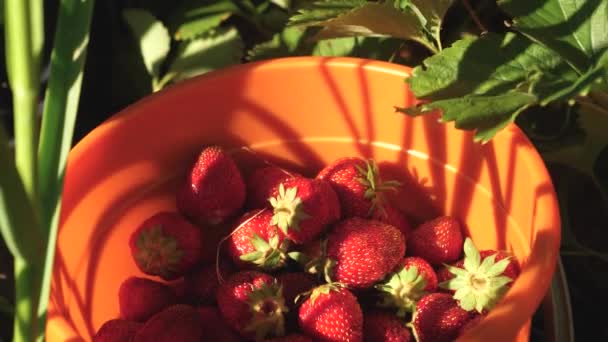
column 58, row 120
column 27, row 276
column 24, row 81
column 18, row 221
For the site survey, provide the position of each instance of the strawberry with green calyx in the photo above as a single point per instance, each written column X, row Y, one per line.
column 358, row 184
column 405, row 287
column 481, row 283
column 166, row 245
column 512, row 271
column 331, row 313
column 303, row 207
column 252, row 304
column 256, row 242
column 262, row 182
column 312, row 257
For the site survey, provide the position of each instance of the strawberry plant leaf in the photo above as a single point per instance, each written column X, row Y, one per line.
column 320, row 11
column 192, row 19
column 465, row 68
column 574, row 29
column 366, row 19
column 430, row 13
column 485, row 114
column 203, row 54
column 282, row 44
column 152, row 36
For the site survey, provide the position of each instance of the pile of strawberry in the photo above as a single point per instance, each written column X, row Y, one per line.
column 277, row 256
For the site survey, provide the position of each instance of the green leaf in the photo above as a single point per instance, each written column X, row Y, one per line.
column 152, row 36
column 282, row 44
column 467, row 68
column 207, row 53
column 430, row 14
column 321, row 11
column 192, row 19
column 335, row 47
column 485, row 114
column 19, row 227
column 574, row 29
column 361, row 18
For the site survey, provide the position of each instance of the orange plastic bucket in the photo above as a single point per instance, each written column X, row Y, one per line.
column 302, row 113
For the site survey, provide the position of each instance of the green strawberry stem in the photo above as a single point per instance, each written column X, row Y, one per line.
column 268, row 255
column 480, row 284
column 402, row 290
column 288, row 209
column 370, row 178
column 268, row 308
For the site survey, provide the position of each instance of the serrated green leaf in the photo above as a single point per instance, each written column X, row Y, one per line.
column 431, row 13
column 376, row 20
column 321, row 11
column 193, row 18
column 574, row 29
column 485, row 114
column 152, row 36
column 491, row 65
column 207, row 53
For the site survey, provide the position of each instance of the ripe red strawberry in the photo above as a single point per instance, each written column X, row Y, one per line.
column 303, row 208
column 166, row 245
column 117, row 330
column 175, row 323
column 261, row 184
column 291, row 338
column 364, row 251
column 214, row 189
column 358, row 185
column 332, row 313
column 202, row 283
column 295, row 284
column 481, row 283
column 512, row 270
column 391, row 215
column 252, row 304
column 437, row 241
column 438, row 318
column 141, row 298
column 382, row 326
column 256, row 242
column 413, row 279
column 214, row 327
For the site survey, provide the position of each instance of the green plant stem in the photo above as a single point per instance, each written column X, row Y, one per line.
column 27, row 278
column 24, row 80
column 59, row 118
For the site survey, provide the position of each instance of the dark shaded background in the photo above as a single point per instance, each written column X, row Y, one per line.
column 115, row 77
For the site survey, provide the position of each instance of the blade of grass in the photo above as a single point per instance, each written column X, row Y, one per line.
column 20, row 230
column 59, row 117
column 18, row 221
column 24, row 80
